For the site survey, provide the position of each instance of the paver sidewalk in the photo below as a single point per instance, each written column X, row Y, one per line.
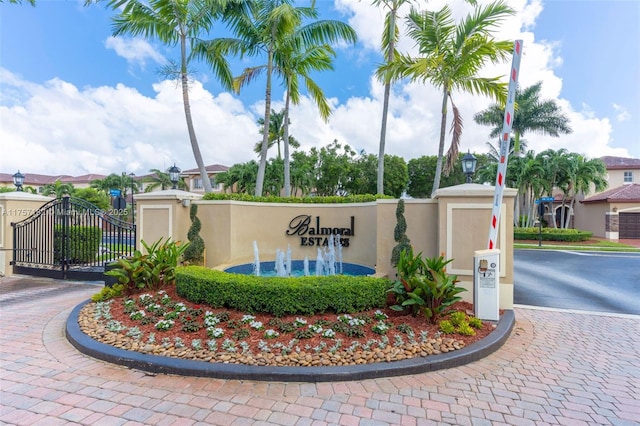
column 556, row 368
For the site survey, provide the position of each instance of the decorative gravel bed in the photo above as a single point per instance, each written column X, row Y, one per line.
column 162, row 323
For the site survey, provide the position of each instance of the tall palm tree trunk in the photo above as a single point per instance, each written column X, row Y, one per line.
column 206, row 183
column 443, row 128
column 383, row 136
column 287, row 168
column 265, row 134
column 385, row 111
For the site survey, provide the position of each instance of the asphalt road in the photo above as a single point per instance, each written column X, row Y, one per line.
column 589, row 281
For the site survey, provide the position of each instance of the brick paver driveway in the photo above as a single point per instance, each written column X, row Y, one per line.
column 556, row 368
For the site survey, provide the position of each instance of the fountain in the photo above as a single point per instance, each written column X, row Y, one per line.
column 328, row 262
column 305, row 266
column 256, row 260
column 281, row 269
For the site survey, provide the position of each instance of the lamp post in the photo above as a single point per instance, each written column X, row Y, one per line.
column 469, row 165
column 18, row 180
column 133, row 203
column 174, row 175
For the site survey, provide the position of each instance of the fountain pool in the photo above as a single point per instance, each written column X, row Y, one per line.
column 268, row 269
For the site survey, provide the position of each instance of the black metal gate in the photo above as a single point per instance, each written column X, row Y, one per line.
column 70, row 238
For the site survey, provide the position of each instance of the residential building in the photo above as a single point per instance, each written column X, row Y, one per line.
column 615, row 212
column 194, row 181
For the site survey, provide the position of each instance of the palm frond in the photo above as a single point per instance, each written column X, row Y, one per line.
column 454, row 148
column 247, row 76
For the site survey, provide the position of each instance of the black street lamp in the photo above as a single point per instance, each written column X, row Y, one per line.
column 18, row 180
column 469, row 165
column 174, row 175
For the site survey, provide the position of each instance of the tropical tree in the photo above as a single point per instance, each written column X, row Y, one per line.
column 527, row 174
column 31, row 2
column 159, row 179
column 388, row 43
column 276, row 132
column 270, row 29
column 58, row 189
column 362, row 175
column 114, row 181
column 452, row 56
column 421, row 173
column 297, row 60
column 302, row 173
column 332, row 163
column 583, row 176
column 531, row 115
column 178, row 22
column 239, row 177
column 93, row 196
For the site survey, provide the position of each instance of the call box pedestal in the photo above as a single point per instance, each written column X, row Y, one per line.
column 486, row 284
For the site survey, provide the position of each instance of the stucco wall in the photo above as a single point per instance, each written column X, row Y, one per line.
column 229, row 229
column 14, row 207
column 592, row 217
column 421, row 217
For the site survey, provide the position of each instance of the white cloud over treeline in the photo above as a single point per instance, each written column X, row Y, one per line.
column 57, row 128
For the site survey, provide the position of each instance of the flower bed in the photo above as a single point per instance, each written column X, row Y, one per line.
column 162, row 323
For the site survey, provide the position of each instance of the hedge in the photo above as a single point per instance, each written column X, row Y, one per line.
column 551, row 234
column 281, row 295
column 83, row 243
column 361, row 198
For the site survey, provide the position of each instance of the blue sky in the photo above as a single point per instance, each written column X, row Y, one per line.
column 75, row 100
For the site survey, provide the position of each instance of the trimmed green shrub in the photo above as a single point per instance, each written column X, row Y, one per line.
column 361, row 198
column 107, row 293
column 195, row 252
column 400, row 234
column 83, row 243
column 281, row 295
column 446, row 327
column 551, row 234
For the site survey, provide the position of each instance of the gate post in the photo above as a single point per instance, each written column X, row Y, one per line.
column 163, row 214
column 461, row 211
column 14, row 207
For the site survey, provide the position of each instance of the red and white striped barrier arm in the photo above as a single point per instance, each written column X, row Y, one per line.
column 504, row 144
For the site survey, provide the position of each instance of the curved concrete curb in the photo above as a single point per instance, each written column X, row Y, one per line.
column 183, row 367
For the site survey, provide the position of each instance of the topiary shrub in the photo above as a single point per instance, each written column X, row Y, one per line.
column 195, row 252
column 399, row 234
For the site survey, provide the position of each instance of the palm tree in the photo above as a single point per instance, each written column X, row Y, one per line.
column 582, row 175
column 240, row 177
column 298, row 60
column 266, row 31
column 58, row 189
column 177, row 22
column 113, row 181
column 452, row 56
column 161, row 179
column 531, row 115
column 276, row 132
column 388, row 47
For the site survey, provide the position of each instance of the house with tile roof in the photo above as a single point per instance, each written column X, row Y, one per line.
column 615, row 212
column 36, row 182
column 194, row 181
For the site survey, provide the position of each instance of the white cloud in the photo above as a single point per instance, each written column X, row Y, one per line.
column 63, row 130
column 56, row 127
column 621, row 113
